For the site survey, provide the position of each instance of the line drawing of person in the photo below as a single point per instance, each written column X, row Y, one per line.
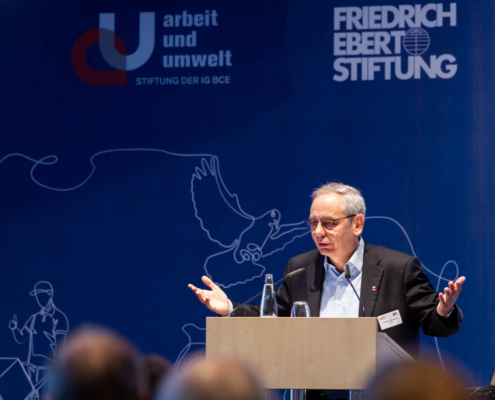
column 45, row 330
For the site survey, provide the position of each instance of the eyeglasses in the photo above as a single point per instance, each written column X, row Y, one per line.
column 327, row 224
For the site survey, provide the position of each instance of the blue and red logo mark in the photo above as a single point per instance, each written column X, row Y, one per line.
column 113, row 51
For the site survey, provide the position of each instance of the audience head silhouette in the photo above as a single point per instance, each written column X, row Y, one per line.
column 157, row 369
column 412, row 381
column 98, row 364
column 213, row 379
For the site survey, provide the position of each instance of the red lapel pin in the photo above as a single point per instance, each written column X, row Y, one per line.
column 373, row 288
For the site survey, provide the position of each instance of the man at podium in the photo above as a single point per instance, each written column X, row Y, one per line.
column 391, row 284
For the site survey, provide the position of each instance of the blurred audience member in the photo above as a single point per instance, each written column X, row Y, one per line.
column 212, row 379
column 98, row 364
column 413, row 381
column 157, row 369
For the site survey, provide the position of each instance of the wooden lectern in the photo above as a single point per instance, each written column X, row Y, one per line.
column 305, row 353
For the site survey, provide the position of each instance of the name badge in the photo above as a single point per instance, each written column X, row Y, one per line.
column 389, row 320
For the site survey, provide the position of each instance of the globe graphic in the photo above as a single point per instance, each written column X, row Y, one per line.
column 416, row 41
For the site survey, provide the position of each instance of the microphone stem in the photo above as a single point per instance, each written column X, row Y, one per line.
column 359, row 298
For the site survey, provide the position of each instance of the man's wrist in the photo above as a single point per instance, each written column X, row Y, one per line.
column 449, row 313
column 231, row 308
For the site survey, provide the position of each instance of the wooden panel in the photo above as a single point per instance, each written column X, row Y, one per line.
column 299, row 353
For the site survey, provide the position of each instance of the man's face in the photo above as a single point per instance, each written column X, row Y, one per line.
column 43, row 299
column 341, row 241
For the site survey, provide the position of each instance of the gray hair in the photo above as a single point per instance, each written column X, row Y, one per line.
column 353, row 200
column 212, row 379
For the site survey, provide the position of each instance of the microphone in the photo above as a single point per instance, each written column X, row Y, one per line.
column 291, row 274
column 288, row 276
column 347, row 271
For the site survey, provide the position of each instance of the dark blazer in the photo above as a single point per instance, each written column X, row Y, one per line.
column 400, row 284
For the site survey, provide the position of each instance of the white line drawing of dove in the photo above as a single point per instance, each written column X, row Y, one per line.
column 243, row 237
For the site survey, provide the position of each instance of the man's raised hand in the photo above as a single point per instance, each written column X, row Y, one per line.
column 215, row 299
column 449, row 297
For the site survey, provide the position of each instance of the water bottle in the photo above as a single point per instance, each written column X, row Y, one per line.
column 268, row 300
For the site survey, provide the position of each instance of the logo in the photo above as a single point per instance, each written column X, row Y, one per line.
column 416, row 41
column 133, row 61
column 389, row 42
column 113, row 50
column 181, row 33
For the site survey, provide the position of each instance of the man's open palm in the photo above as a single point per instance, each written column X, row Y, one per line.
column 215, row 299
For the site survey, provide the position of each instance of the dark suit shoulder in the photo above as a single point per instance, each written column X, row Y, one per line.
column 384, row 255
column 304, row 259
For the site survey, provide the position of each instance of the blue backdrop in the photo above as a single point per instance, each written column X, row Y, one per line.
column 145, row 144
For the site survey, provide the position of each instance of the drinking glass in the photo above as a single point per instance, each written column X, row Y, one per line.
column 300, row 309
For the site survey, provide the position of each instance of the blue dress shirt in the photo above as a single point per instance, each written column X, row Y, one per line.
column 338, row 300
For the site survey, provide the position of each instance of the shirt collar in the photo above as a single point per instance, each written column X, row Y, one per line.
column 355, row 262
column 50, row 311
